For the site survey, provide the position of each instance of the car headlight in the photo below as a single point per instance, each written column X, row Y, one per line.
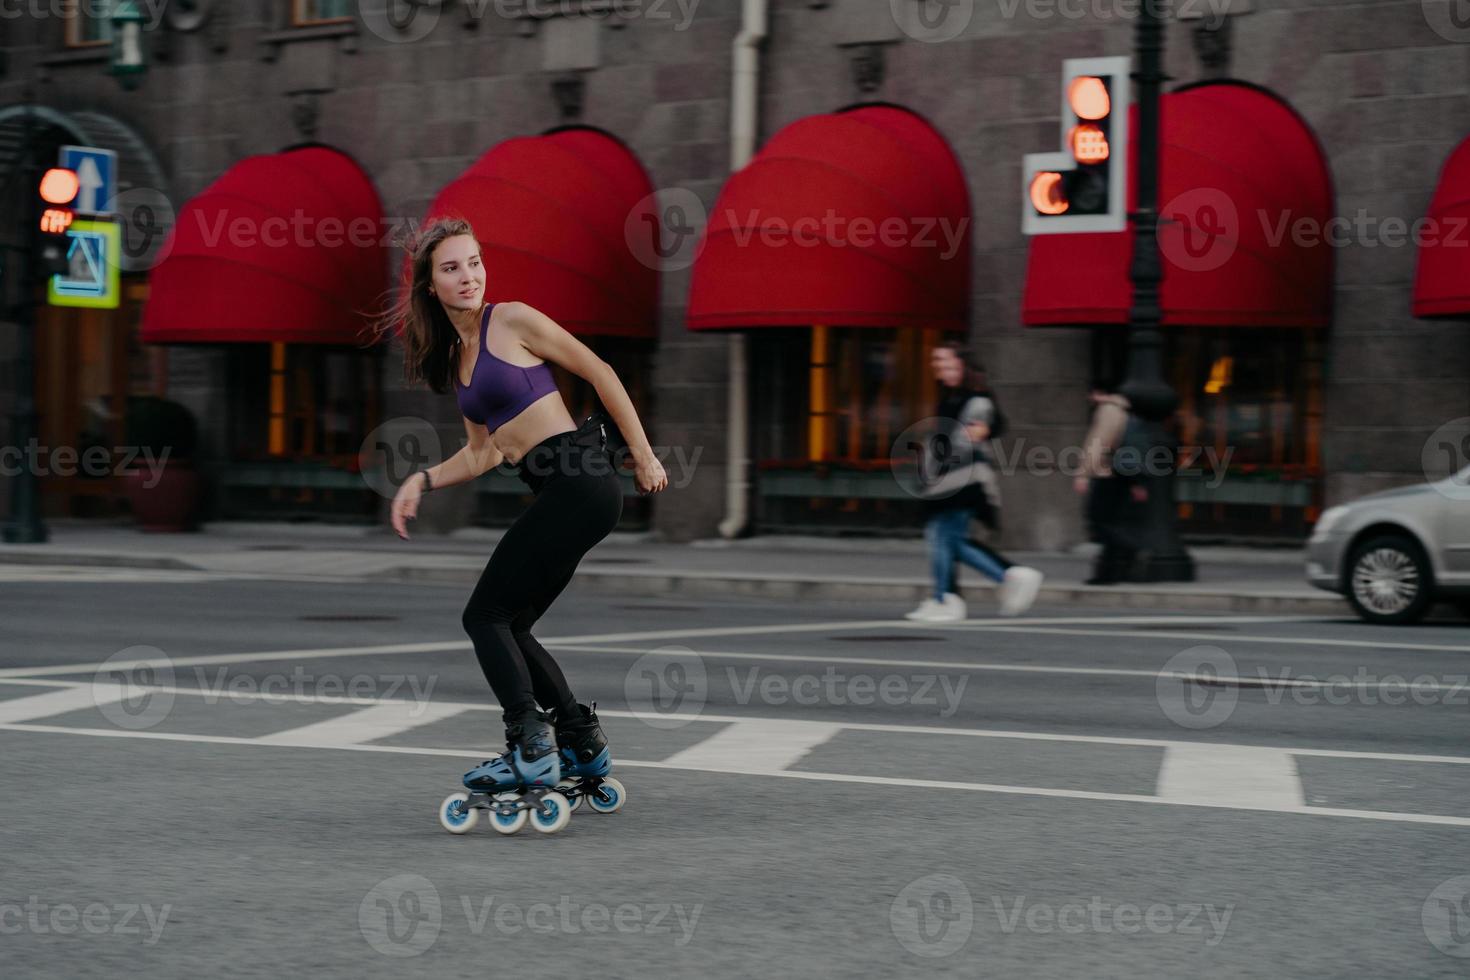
column 1329, row 517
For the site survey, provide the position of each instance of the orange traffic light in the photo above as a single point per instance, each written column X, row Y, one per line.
column 59, row 186
column 1089, row 143
column 1047, row 194
column 55, row 221
column 1082, row 187
column 1088, row 97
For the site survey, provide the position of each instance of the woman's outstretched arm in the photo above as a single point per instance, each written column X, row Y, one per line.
column 549, row 341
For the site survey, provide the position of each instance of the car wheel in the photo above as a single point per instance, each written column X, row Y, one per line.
column 1389, row 580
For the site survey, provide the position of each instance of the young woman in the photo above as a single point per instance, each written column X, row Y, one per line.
column 494, row 357
column 969, row 417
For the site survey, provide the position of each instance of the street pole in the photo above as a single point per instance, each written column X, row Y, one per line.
column 25, row 525
column 1151, row 398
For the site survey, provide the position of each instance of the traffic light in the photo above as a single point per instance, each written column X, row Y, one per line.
column 1084, row 187
column 58, row 190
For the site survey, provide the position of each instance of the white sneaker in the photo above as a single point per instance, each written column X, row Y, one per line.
column 951, row 610
column 924, row 613
column 1018, row 590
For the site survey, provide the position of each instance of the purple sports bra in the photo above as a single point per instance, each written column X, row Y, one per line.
column 499, row 391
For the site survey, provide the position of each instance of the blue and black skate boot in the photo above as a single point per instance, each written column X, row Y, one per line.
column 519, row 785
column 585, row 760
column 530, row 757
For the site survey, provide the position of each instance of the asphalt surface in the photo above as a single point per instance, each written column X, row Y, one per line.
column 249, row 787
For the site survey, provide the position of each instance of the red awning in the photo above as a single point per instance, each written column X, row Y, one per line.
column 1442, row 281
column 853, row 218
column 1246, row 199
column 558, row 218
column 283, row 247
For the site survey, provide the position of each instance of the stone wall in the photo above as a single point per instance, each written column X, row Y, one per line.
column 1387, row 95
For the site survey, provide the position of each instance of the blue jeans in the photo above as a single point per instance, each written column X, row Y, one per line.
column 945, row 533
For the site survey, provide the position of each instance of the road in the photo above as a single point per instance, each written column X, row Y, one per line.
column 239, row 775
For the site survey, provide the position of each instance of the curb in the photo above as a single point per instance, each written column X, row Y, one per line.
column 102, row 560
column 790, row 588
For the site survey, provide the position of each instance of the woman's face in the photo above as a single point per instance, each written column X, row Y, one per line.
column 457, row 275
column 948, row 368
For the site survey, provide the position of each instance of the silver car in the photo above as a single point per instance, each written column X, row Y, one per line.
column 1395, row 553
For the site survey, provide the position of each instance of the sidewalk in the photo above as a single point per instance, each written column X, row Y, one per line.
column 776, row 566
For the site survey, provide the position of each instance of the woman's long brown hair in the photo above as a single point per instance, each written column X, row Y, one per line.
column 428, row 336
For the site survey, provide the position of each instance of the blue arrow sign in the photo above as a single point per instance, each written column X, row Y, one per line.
column 96, row 174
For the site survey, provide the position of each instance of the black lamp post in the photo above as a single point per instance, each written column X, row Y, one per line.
column 129, row 62
column 1150, row 395
column 25, row 525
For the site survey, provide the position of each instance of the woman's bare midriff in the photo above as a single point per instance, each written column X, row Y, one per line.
column 545, row 417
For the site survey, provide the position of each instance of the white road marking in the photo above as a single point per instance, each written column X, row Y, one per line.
column 117, row 666
column 702, row 716
column 1218, row 640
column 585, row 643
column 1254, row 776
column 675, row 634
column 59, row 702
column 766, row 744
column 82, row 574
column 1268, row 681
column 1379, row 815
column 380, row 721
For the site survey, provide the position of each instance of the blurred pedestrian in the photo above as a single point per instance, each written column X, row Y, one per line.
column 1107, row 492
column 960, row 484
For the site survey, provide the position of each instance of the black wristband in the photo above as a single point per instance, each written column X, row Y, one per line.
column 428, row 484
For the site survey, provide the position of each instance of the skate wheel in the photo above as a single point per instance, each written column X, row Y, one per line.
column 553, row 814
column 507, row 823
column 568, row 788
column 608, row 797
column 456, row 815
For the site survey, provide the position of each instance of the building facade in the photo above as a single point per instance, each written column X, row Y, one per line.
column 882, row 99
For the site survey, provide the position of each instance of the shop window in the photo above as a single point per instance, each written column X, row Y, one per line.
column 298, row 417
column 829, row 402
column 1249, row 420
column 308, row 13
column 88, row 23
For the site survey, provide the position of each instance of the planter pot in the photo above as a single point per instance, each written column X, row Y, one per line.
column 170, row 505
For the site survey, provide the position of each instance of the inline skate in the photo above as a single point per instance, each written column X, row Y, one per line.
column 517, row 786
column 586, row 762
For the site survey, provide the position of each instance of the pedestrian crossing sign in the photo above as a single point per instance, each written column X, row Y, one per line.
column 94, row 258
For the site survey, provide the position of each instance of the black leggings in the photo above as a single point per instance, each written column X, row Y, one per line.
column 579, row 499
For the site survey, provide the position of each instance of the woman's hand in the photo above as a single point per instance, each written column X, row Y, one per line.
column 406, row 505
column 648, row 474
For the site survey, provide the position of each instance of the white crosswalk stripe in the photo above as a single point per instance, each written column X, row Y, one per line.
column 366, row 724
column 1249, row 775
column 1192, row 773
column 766, row 745
column 59, row 702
